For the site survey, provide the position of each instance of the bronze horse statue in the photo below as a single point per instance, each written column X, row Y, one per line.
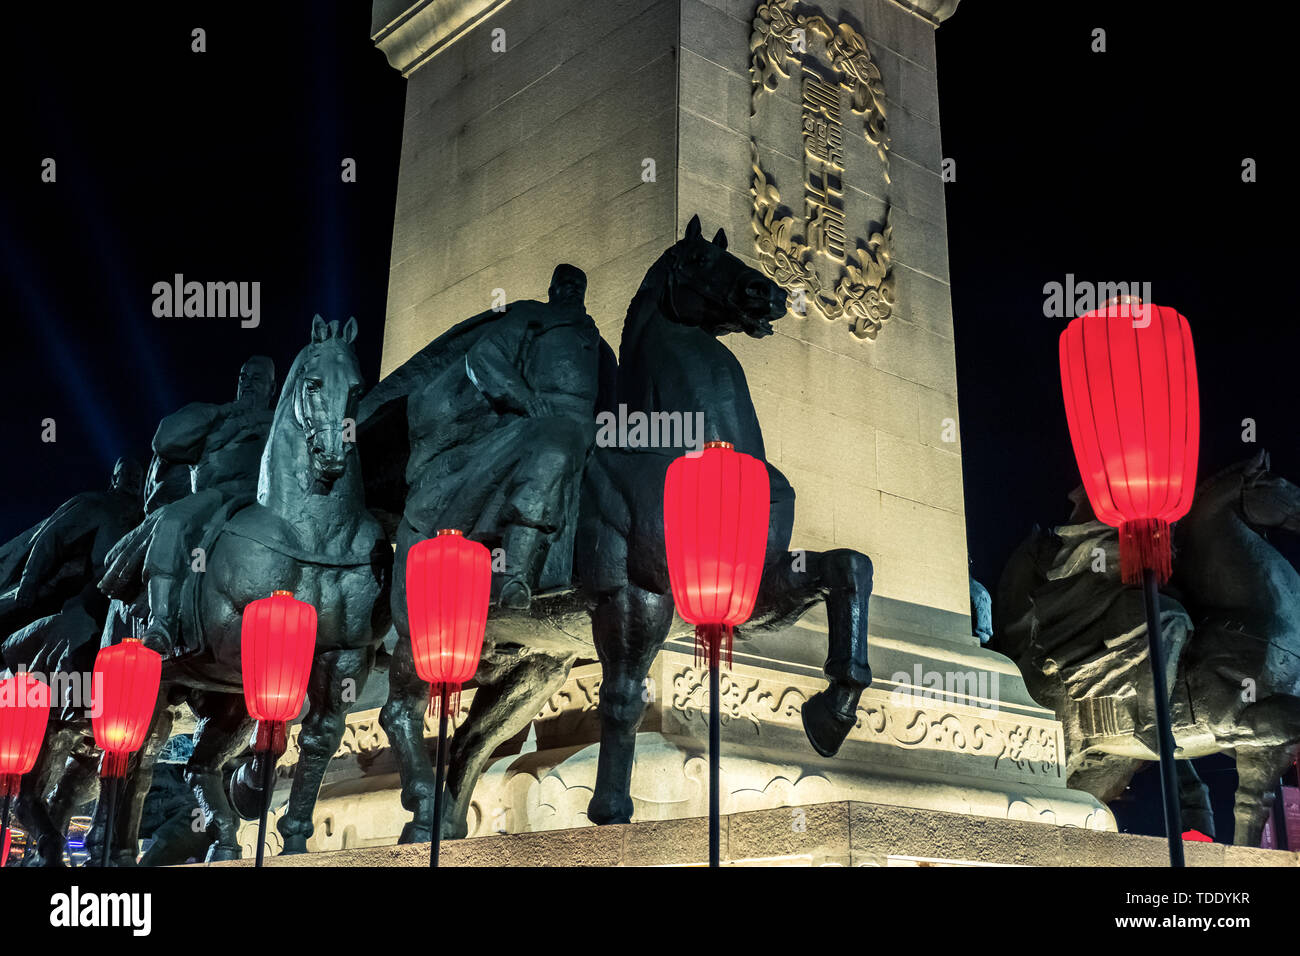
column 308, row 532
column 618, row 604
column 53, row 614
column 1230, row 622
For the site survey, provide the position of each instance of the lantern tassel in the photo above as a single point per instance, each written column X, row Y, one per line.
column 453, row 700
column 271, row 737
column 713, row 644
column 9, row 785
column 1144, row 544
column 113, row 764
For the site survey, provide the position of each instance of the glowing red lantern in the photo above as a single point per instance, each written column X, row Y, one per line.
column 1128, row 374
column 123, row 696
column 1196, row 836
column 24, row 712
column 448, row 590
column 716, row 508
column 277, row 643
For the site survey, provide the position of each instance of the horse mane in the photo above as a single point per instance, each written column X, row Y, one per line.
column 643, row 305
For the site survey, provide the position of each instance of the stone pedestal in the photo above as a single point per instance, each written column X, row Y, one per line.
column 542, row 131
column 843, row 833
column 987, row 755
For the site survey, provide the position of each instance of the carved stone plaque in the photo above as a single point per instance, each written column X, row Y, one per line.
column 832, row 64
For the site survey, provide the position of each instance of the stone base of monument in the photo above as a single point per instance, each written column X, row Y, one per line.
column 843, row 833
column 977, row 745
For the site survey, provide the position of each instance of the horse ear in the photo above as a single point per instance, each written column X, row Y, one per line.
column 350, row 331
column 693, row 228
column 319, row 330
column 720, row 239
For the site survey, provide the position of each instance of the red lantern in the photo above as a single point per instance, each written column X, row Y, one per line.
column 448, row 589
column 24, row 712
column 277, row 643
column 123, row 696
column 1128, row 374
column 715, row 533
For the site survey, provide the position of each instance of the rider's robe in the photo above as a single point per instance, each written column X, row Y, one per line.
column 502, row 437
column 483, row 453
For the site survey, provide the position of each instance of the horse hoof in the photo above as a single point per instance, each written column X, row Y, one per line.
column 516, row 596
column 416, row 833
column 601, row 814
column 294, row 844
column 49, row 854
column 218, row 853
column 825, row 728
column 245, row 792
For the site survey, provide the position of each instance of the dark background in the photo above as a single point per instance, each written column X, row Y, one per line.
column 1116, row 166
column 225, row 165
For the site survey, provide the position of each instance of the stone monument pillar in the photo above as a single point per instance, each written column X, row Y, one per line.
column 590, row 131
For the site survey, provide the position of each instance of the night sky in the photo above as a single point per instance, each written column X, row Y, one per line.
column 1115, row 166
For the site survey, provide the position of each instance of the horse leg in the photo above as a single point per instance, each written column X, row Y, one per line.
column 1194, row 796
column 320, row 735
column 1265, row 739
column 138, row 784
column 1259, row 773
column 223, row 730
column 630, row 626
column 402, row 718
column 74, row 787
column 46, row 842
column 843, row 577
column 508, row 696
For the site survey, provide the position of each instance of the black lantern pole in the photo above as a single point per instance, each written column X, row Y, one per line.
column 715, row 749
column 111, row 784
column 268, row 788
column 1164, row 726
column 439, row 776
column 4, row 827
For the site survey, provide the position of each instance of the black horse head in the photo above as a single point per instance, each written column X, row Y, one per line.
column 324, row 387
column 710, row 288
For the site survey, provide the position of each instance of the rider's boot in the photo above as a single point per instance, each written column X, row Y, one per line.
column 525, row 550
column 159, row 635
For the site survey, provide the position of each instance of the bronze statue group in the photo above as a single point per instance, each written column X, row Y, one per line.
column 491, row 429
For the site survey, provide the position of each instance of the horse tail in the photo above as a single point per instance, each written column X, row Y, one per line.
column 124, row 563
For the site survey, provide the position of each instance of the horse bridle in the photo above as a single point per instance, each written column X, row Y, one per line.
column 668, row 299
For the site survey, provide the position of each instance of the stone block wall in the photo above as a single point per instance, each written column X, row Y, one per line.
column 516, row 159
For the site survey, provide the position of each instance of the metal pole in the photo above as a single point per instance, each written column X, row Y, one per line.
column 715, row 747
column 111, row 784
column 268, row 784
column 1281, row 839
column 438, row 777
column 1164, row 729
column 4, row 826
